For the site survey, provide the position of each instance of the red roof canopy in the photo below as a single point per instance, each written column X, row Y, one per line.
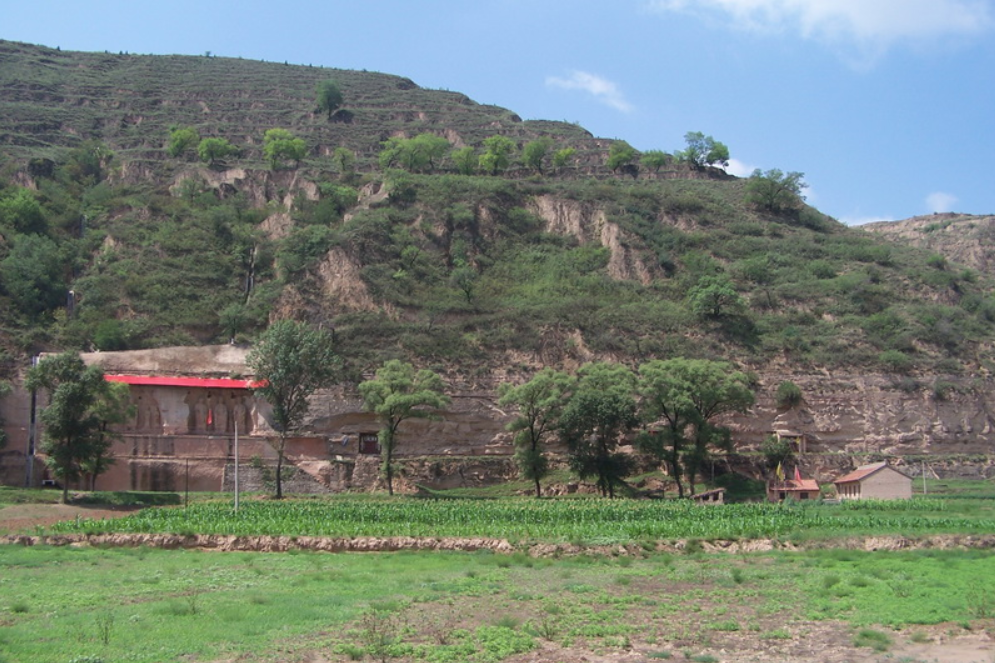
column 173, row 381
column 862, row 472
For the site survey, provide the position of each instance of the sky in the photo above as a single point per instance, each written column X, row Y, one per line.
column 886, row 106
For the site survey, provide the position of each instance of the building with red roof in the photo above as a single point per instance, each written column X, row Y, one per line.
column 877, row 481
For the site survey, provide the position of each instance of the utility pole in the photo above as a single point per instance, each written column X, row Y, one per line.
column 236, row 465
column 29, row 468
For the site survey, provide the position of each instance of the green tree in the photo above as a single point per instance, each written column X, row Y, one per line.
column 789, row 395
column 774, row 191
column 600, row 412
column 329, row 97
column 464, row 278
column 714, row 296
column 776, row 451
column 113, row 408
column 5, row 389
column 655, row 160
column 621, row 155
column 280, row 146
column 535, row 152
column 182, row 140
column 213, row 150
column 667, row 411
column 703, row 151
column 497, row 154
column 716, row 390
column 681, row 398
column 72, row 436
column 465, row 160
column 21, row 212
column 563, row 157
column 419, row 154
column 540, row 402
column 291, row 361
column 33, row 274
column 88, row 163
column 396, row 394
column 344, row 161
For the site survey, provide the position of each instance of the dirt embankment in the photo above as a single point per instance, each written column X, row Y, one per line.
column 225, row 543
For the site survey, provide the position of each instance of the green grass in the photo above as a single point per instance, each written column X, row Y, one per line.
column 157, row 605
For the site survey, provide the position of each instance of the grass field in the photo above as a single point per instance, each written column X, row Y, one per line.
column 92, row 605
column 67, row 604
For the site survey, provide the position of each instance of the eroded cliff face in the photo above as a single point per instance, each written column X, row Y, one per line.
column 962, row 238
column 589, row 224
column 844, row 418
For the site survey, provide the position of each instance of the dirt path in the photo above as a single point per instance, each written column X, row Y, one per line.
column 24, row 518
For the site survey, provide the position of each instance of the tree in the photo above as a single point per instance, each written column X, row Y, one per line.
column 600, row 412
column 20, row 211
column 540, row 403
column 291, row 361
column 703, row 151
column 80, row 404
column 684, row 397
column 397, row 393
column 666, row 407
column 113, row 408
column 774, row 191
column 344, row 161
column 714, row 296
column 497, row 154
column 213, row 150
column 33, row 274
column 329, row 97
column 717, row 390
column 464, row 278
column 655, row 159
column 776, row 451
column 535, row 152
column 622, row 156
column 279, row 145
column 5, row 389
column 789, row 395
column 465, row 160
column 182, row 140
column 563, row 157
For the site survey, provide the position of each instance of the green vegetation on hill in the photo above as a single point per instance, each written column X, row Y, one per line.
column 112, row 237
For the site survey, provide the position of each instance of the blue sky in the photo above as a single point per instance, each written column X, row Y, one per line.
column 887, row 106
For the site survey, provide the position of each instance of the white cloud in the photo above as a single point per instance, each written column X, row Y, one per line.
column 739, row 168
column 939, row 201
column 872, row 26
column 602, row 89
column 861, row 220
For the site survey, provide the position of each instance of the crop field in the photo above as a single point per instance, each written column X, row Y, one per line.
column 585, row 521
column 94, row 605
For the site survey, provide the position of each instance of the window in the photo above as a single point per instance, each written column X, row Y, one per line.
column 369, row 443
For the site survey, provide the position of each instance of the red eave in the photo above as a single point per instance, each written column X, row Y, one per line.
column 172, row 381
column 861, row 473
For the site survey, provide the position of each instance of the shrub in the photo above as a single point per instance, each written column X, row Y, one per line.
column 789, row 395
column 876, row 640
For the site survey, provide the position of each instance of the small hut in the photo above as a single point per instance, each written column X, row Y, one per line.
column 877, row 481
column 781, row 488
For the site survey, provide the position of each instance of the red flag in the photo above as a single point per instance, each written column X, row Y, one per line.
column 798, row 475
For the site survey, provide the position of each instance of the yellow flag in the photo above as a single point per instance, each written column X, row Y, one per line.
column 779, row 473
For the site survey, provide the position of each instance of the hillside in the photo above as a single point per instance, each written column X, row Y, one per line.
column 962, row 239
column 110, row 243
